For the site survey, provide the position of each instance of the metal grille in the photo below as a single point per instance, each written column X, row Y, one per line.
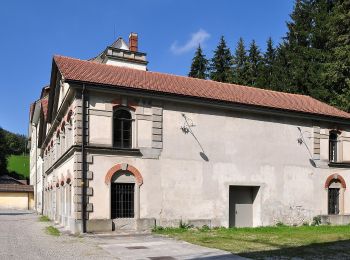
column 122, row 200
column 333, row 201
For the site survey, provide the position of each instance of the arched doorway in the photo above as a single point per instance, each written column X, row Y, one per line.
column 124, row 181
column 122, row 195
column 335, row 186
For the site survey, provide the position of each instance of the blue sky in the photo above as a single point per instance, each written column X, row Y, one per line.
column 33, row 31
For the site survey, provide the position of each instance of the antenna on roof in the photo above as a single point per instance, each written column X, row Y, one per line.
column 114, row 32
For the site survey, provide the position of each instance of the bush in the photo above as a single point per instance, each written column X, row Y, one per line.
column 183, row 225
column 316, row 221
column 306, row 223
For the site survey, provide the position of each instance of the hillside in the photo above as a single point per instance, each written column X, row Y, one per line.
column 18, row 165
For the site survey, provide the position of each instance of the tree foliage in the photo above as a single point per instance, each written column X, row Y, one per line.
column 254, row 65
column 199, row 66
column 312, row 59
column 240, row 64
column 16, row 144
column 221, row 63
column 3, row 153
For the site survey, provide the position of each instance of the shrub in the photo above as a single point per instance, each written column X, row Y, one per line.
column 306, row 223
column 316, row 221
column 183, row 225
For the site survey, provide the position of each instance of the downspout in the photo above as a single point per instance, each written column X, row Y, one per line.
column 42, row 188
column 83, row 161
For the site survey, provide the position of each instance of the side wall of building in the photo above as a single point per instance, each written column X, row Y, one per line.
column 203, row 152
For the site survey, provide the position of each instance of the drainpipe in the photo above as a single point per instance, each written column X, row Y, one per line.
column 42, row 188
column 83, row 161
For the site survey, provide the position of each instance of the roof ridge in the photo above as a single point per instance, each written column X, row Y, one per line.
column 187, row 77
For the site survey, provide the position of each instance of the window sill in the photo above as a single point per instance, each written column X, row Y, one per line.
column 339, row 164
column 115, row 150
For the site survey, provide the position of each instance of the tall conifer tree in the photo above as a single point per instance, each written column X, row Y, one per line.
column 254, row 64
column 268, row 63
column 199, row 65
column 338, row 66
column 221, row 63
column 240, row 66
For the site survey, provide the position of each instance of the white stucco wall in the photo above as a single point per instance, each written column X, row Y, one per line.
column 241, row 149
column 132, row 65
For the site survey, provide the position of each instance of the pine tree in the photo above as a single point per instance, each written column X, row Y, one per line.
column 281, row 80
column 338, row 66
column 240, row 66
column 221, row 63
column 199, row 65
column 304, row 50
column 268, row 64
column 254, row 64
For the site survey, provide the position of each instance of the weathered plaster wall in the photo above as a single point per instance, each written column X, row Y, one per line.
column 191, row 178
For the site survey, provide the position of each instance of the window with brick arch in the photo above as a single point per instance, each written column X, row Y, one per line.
column 122, row 128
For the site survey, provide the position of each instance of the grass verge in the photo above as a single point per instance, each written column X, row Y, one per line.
column 310, row 242
column 44, row 219
column 51, row 230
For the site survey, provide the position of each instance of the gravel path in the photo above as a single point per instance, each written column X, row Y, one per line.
column 23, row 237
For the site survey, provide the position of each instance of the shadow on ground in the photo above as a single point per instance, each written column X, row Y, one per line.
column 13, row 214
column 328, row 250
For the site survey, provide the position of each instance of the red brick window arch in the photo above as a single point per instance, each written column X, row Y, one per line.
column 126, row 167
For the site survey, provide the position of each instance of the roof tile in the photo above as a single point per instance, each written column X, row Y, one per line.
column 87, row 71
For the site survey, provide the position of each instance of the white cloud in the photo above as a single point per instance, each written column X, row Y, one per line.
column 196, row 38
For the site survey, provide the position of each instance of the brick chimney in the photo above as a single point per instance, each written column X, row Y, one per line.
column 133, row 42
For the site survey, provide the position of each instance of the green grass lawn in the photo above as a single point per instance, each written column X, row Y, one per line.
column 19, row 164
column 308, row 242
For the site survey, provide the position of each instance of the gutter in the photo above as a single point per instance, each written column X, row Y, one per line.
column 83, row 161
column 269, row 111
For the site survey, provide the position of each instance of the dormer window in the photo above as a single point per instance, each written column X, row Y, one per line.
column 122, row 128
column 333, row 146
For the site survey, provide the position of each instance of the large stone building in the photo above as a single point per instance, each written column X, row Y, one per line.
column 114, row 145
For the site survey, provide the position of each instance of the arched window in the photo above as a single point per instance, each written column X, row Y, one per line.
column 122, row 128
column 333, row 146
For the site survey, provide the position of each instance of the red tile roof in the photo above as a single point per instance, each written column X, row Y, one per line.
column 16, row 188
column 87, row 71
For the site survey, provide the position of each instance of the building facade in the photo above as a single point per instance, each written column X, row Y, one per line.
column 120, row 147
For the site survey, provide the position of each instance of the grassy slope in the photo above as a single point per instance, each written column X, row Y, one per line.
column 19, row 164
column 311, row 242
